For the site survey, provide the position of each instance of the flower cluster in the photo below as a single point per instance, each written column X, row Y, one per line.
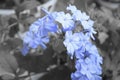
column 78, row 44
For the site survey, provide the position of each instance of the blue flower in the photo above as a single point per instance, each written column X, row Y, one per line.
column 89, row 67
column 38, row 32
column 78, row 76
column 75, row 42
column 88, row 61
column 88, row 25
column 50, row 25
column 84, row 17
column 91, row 49
column 28, row 37
column 77, row 14
column 84, row 20
column 45, row 25
column 38, row 40
column 72, row 42
column 86, row 69
column 79, row 53
column 65, row 20
column 33, row 40
column 38, row 27
column 84, row 40
column 72, row 8
column 25, row 49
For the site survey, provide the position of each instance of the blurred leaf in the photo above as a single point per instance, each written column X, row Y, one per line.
column 115, row 37
column 30, row 20
column 3, row 22
column 7, row 77
column 29, row 4
column 102, row 37
column 117, row 78
column 58, row 45
column 13, row 27
column 3, row 72
column 26, row 5
column 8, row 63
column 118, row 13
column 36, row 76
column 22, row 72
column 36, row 63
column 13, row 44
column 58, row 73
column 116, row 73
column 107, row 63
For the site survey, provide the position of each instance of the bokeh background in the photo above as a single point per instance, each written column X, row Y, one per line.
column 53, row 63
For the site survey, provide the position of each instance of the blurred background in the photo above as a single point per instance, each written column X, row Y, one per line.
column 53, row 63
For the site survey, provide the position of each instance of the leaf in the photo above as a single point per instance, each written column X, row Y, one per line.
column 58, row 73
column 117, row 78
column 36, row 76
column 8, row 63
column 30, row 20
column 3, row 72
column 27, row 5
column 7, row 77
column 4, row 22
column 107, row 4
column 36, row 63
column 102, row 37
column 115, row 38
column 58, row 45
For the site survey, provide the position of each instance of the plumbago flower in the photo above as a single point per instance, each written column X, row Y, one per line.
column 72, row 42
column 84, row 19
column 78, row 43
column 65, row 20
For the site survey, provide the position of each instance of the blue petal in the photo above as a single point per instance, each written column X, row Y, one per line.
column 25, row 50
column 71, row 8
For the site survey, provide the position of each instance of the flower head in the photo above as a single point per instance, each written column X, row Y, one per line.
column 72, row 8
column 72, row 42
column 33, row 40
column 88, row 61
column 77, row 14
column 65, row 20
